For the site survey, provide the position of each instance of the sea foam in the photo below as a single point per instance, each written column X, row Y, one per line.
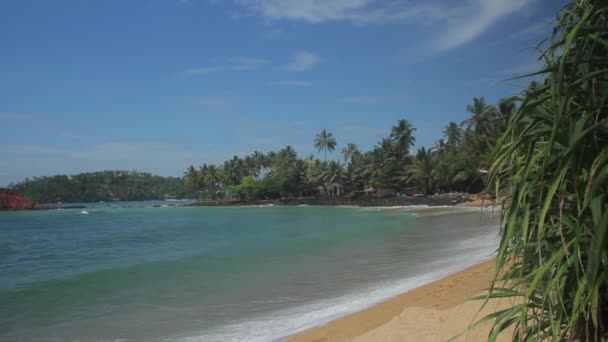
column 278, row 325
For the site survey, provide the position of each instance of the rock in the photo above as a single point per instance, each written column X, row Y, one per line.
column 13, row 200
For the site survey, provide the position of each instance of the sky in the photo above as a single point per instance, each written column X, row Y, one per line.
column 157, row 85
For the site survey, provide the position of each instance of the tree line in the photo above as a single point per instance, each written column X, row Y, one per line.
column 103, row 186
column 454, row 163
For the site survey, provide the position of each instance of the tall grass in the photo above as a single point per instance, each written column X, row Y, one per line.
column 550, row 168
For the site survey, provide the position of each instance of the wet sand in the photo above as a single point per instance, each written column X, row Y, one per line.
column 434, row 312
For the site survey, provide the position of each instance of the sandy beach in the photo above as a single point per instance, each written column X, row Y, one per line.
column 435, row 312
column 477, row 203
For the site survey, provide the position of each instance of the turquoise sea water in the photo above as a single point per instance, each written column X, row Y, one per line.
column 218, row 274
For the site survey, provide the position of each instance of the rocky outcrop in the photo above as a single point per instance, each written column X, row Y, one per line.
column 13, row 200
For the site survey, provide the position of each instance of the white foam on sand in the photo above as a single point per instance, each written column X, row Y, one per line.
column 278, row 325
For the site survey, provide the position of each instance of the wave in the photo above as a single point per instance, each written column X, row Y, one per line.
column 438, row 210
column 278, row 325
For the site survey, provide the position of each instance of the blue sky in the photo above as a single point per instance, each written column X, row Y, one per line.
column 157, row 85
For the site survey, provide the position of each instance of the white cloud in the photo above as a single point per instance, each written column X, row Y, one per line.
column 314, row 11
column 356, row 11
column 473, row 19
column 292, row 83
column 302, row 61
column 232, row 64
column 452, row 23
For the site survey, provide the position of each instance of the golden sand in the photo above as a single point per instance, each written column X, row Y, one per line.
column 434, row 312
column 477, row 203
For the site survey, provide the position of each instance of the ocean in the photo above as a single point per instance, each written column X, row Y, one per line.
column 219, row 273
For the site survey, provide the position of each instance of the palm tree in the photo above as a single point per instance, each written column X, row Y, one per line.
column 453, row 133
column 334, row 175
column 482, row 124
column 403, row 135
column 423, row 170
column 532, row 87
column 381, row 164
column 325, row 141
column 312, row 169
column 191, row 176
column 270, row 160
column 386, row 147
column 481, row 115
column 287, row 157
column 212, row 175
column 506, row 108
column 440, row 147
column 234, row 171
column 252, row 166
column 350, row 151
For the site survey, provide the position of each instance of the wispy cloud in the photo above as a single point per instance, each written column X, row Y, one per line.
column 355, row 11
column 313, row 11
column 232, row 64
column 200, row 70
column 528, row 66
column 509, row 74
column 453, row 24
column 15, row 116
column 488, row 82
column 31, row 150
column 38, row 160
column 542, row 27
column 302, row 61
column 292, row 83
column 470, row 21
column 276, row 33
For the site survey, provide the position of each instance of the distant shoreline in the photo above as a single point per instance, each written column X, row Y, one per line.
column 447, row 199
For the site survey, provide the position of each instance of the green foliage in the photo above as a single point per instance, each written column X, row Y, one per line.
column 450, row 165
column 249, row 189
column 453, row 134
column 350, row 152
column 325, row 141
column 102, row 186
column 423, row 171
column 551, row 168
column 403, row 136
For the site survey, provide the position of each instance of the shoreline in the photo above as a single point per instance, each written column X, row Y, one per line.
column 438, row 200
column 444, row 199
column 436, row 311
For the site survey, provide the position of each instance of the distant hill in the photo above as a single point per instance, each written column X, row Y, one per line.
column 103, row 186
